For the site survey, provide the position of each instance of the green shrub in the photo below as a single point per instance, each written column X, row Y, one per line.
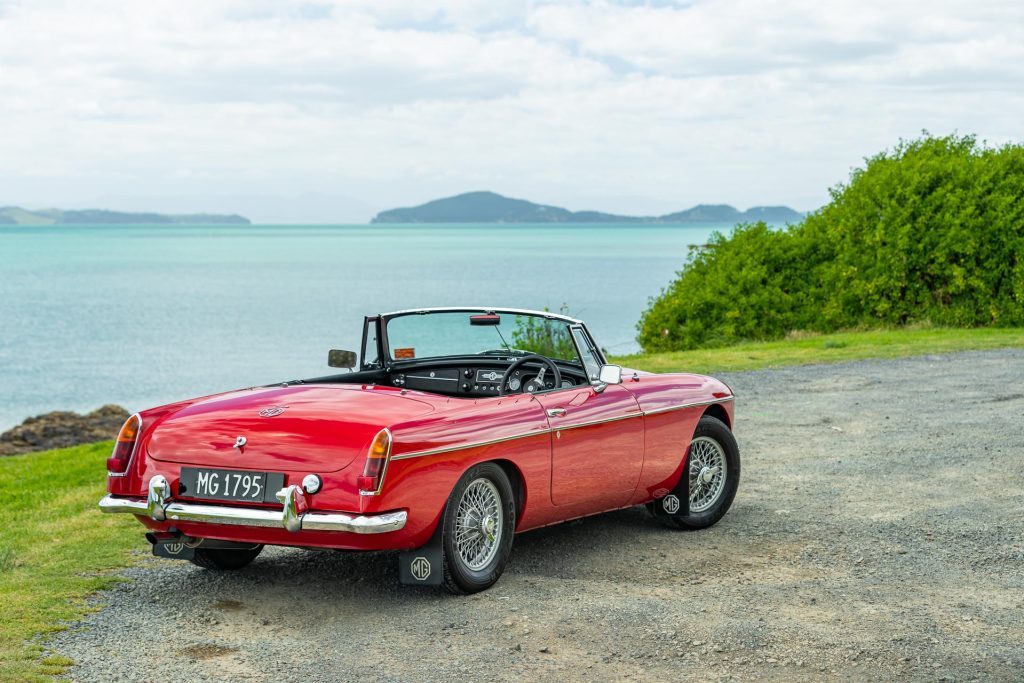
column 932, row 230
column 547, row 337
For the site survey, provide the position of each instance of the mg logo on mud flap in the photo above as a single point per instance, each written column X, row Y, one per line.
column 420, row 569
column 174, row 548
column 670, row 504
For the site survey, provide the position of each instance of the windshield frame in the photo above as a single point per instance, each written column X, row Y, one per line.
column 385, row 318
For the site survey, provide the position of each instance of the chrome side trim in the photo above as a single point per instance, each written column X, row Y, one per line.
column 560, row 428
column 464, row 446
column 292, row 517
column 595, row 422
column 669, row 409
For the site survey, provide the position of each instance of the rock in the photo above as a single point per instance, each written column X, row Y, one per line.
column 61, row 429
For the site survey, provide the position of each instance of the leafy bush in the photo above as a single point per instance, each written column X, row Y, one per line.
column 546, row 337
column 932, row 230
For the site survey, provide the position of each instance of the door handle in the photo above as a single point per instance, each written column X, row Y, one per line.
column 556, row 412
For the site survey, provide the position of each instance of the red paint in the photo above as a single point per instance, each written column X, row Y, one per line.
column 596, row 464
column 632, row 455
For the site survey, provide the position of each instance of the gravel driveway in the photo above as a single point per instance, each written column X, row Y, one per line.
column 878, row 532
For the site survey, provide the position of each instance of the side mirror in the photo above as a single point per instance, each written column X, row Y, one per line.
column 336, row 358
column 609, row 374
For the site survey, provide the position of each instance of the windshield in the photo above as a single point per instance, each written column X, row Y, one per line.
column 463, row 333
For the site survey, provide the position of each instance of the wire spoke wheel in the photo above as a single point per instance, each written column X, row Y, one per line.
column 708, row 472
column 478, row 524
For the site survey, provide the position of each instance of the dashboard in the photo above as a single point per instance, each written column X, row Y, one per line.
column 479, row 381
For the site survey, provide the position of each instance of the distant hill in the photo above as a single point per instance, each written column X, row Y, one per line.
column 13, row 215
column 489, row 207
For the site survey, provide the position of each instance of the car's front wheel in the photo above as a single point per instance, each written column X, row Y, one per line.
column 479, row 522
column 709, row 481
column 217, row 558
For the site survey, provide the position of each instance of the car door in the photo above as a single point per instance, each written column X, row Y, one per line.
column 597, row 446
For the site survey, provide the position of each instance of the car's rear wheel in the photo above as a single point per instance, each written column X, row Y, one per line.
column 709, row 481
column 221, row 559
column 479, row 522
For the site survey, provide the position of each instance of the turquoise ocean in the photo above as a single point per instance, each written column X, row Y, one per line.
column 145, row 315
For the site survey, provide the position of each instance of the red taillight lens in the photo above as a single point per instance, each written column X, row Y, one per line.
column 117, row 463
column 376, row 464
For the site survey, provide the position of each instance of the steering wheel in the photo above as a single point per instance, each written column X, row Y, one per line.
column 545, row 364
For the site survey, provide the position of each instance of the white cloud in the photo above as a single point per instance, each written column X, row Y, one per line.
column 617, row 106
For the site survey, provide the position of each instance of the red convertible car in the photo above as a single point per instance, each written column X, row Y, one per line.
column 460, row 428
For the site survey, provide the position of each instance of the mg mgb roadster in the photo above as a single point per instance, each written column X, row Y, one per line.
column 459, row 428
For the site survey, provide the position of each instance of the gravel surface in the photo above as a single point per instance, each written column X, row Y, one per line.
column 878, row 533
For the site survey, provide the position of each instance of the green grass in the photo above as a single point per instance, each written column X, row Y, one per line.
column 826, row 348
column 56, row 548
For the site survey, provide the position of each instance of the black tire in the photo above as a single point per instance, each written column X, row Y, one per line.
column 459, row 576
column 220, row 559
column 710, row 430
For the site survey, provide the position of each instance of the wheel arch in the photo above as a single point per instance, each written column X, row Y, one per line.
column 718, row 411
column 518, row 481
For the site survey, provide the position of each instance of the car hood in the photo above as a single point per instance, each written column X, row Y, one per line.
column 321, row 428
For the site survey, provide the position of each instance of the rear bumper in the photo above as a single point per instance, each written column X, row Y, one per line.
column 294, row 516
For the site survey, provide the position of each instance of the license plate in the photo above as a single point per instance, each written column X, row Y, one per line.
column 241, row 485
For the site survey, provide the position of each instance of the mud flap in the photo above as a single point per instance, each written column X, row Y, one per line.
column 677, row 502
column 421, row 567
column 173, row 550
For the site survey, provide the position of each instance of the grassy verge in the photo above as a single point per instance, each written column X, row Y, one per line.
column 826, row 348
column 55, row 549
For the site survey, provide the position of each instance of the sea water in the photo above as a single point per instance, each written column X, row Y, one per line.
column 145, row 315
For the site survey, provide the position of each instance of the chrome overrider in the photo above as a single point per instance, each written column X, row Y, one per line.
column 294, row 516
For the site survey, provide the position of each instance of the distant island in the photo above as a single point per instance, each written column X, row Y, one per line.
column 13, row 215
column 489, row 207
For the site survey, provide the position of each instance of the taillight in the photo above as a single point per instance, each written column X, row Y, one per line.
column 376, row 464
column 117, row 463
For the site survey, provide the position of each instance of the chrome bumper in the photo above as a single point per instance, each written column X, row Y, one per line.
column 293, row 517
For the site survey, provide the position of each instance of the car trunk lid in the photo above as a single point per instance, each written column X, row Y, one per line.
column 321, row 428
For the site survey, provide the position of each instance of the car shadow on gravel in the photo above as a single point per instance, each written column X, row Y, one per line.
column 568, row 549
column 605, row 547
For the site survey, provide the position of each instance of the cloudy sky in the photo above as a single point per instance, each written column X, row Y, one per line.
column 326, row 112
